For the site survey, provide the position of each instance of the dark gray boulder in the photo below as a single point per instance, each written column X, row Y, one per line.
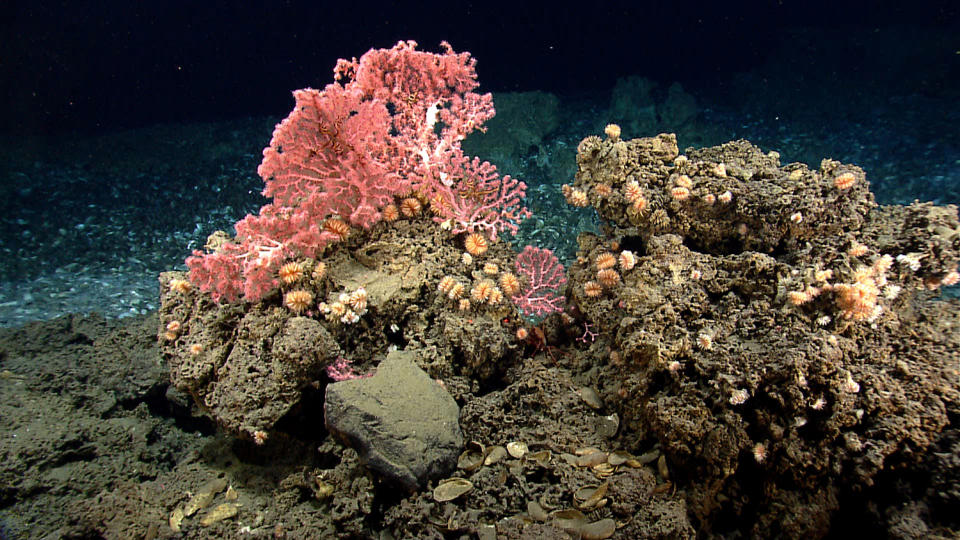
column 402, row 423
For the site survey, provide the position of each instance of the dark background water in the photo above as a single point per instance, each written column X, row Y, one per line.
column 100, row 65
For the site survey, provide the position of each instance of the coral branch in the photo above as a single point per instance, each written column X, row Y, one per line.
column 545, row 276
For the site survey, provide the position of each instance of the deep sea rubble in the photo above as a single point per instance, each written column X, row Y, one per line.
column 771, row 326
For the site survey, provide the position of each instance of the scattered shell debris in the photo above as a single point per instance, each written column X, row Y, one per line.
column 586, row 500
column 202, row 499
column 575, row 523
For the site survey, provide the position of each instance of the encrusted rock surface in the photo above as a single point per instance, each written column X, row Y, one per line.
column 772, row 327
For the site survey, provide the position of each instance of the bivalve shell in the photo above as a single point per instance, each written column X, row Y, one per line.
column 662, row 467
column 591, row 497
column 451, row 488
column 517, row 449
column 470, row 460
column 541, row 458
column 591, row 397
column 176, row 518
column 495, row 455
column 598, row 530
column 603, row 470
column 220, row 513
column 204, row 496
column 592, row 459
column 618, row 457
column 648, row 457
column 607, row 426
column 536, row 512
column 570, row 520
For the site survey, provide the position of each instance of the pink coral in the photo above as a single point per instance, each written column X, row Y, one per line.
column 391, row 124
column 342, row 370
column 436, row 109
column 545, row 277
column 482, row 200
column 332, row 155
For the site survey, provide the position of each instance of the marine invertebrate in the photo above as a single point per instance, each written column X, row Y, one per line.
column 476, row 244
column 608, row 277
column 509, row 283
column 627, row 260
column 602, row 190
column 612, row 131
column 357, row 300
column 446, row 283
column 456, row 291
column 410, row 207
column 352, row 148
column 334, row 310
column 592, row 289
column 844, row 180
column 759, row 452
column 390, row 212
column 291, row 272
column 544, row 278
column 337, row 227
column 638, row 205
column 857, row 249
column 482, row 290
column 319, row 270
column 181, row 286
column 680, row 193
column 172, row 330
column 298, row 301
column 260, row 437
column 738, row 396
column 632, row 191
column 605, row 260
column 578, row 197
column 859, row 300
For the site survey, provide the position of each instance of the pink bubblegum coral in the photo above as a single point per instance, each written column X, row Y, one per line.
column 393, row 123
column 436, row 109
column 482, row 200
column 545, row 276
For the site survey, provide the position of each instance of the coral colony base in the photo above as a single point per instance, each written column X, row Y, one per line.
column 761, row 338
